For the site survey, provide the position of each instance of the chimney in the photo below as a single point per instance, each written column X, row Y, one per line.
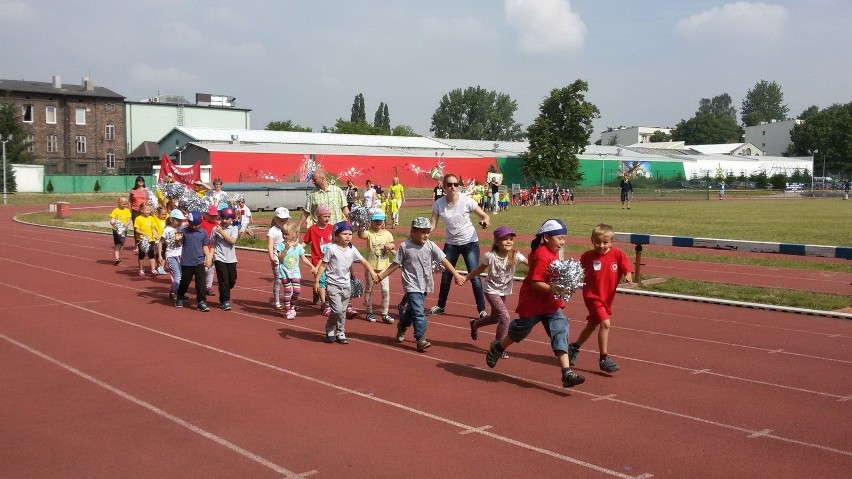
column 88, row 84
column 57, row 82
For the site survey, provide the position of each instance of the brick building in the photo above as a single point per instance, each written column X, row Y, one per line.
column 74, row 129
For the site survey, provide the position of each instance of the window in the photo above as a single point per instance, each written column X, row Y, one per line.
column 50, row 115
column 81, row 144
column 110, row 159
column 110, row 107
column 81, row 116
column 52, row 143
column 27, row 113
column 30, row 145
column 110, row 131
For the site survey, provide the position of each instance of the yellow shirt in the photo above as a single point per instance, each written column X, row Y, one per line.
column 377, row 256
column 121, row 215
column 159, row 226
column 144, row 226
column 396, row 191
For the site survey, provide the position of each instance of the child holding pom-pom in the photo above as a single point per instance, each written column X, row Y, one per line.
column 537, row 303
column 604, row 266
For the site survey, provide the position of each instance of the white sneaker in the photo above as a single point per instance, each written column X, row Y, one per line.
column 483, row 314
column 291, row 314
column 436, row 310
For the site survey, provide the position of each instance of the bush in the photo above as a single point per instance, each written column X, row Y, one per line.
column 97, row 186
column 49, row 186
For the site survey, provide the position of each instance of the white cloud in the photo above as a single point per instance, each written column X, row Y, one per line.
column 12, row 12
column 735, row 20
column 545, row 25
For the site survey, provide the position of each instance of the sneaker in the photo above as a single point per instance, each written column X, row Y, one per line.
column 571, row 379
column 504, row 355
column 351, row 312
column 482, row 314
column 423, row 344
column 326, row 310
column 291, row 314
column 436, row 310
column 116, row 262
column 474, row 330
column 202, row 306
column 178, row 303
column 172, row 295
column 226, row 306
column 278, row 306
column 573, row 350
column 387, row 319
column 371, row 317
column 608, row 365
column 400, row 332
column 330, row 338
column 160, row 270
column 152, row 273
column 210, row 292
column 341, row 338
column 141, row 273
column 493, row 354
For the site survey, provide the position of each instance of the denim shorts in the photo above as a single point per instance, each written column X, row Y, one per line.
column 555, row 324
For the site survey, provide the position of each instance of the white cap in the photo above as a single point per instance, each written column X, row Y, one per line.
column 282, row 212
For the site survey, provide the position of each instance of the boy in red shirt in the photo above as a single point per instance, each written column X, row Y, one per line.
column 537, row 304
column 604, row 267
column 318, row 235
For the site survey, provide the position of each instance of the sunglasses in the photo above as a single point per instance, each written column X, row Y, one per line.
column 451, row 184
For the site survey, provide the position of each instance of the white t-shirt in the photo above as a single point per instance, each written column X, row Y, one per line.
column 456, row 217
column 500, row 274
column 339, row 263
column 369, row 198
column 277, row 237
column 244, row 213
column 172, row 250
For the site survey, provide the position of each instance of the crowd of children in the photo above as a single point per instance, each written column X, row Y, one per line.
column 194, row 244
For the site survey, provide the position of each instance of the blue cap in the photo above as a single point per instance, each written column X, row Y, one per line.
column 377, row 216
column 194, row 218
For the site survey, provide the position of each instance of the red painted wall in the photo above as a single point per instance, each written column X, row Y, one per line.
column 412, row 171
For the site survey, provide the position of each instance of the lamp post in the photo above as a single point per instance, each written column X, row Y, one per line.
column 179, row 150
column 4, row 141
column 603, row 156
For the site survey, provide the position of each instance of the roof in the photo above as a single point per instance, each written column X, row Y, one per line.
column 47, row 88
column 307, row 138
column 323, row 149
column 722, row 149
column 147, row 149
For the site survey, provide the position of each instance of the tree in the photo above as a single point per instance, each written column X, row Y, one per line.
column 358, row 111
column 13, row 130
column 828, row 133
column 658, row 136
column 354, row 128
column 382, row 118
column 476, row 114
column 559, row 133
column 714, row 122
column 403, row 130
column 286, row 126
column 764, row 102
column 808, row 112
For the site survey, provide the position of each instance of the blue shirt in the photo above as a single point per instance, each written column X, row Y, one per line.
column 192, row 251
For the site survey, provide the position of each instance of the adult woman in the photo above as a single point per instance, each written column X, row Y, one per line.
column 351, row 194
column 461, row 240
column 138, row 196
column 217, row 196
column 396, row 193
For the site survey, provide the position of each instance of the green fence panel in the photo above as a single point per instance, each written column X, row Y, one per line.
column 86, row 183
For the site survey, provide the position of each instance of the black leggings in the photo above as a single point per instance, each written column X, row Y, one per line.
column 226, row 274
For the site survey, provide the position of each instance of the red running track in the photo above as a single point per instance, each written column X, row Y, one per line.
column 102, row 377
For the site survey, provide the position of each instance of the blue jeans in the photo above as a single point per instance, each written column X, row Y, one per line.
column 415, row 314
column 470, row 253
column 555, row 325
column 174, row 271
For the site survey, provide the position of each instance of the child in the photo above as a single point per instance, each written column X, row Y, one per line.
column 172, row 240
column 536, row 303
column 146, row 239
column 225, row 256
column 275, row 236
column 160, row 225
column 391, row 208
column 604, row 266
column 120, row 221
column 337, row 262
column 244, row 217
column 379, row 246
column 415, row 256
column 501, row 262
column 318, row 235
column 195, row 257
column 290, row 252
column 209, row 222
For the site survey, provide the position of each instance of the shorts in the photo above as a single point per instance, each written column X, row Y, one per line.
column 322, row 280
column 118, row 239
column 625, row 196
column 152, row 251
column 555, row 325
column 598, row 313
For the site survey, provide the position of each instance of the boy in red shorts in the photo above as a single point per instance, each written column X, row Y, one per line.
column 604, row 266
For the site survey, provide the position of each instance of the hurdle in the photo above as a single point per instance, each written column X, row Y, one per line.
column 641, row 239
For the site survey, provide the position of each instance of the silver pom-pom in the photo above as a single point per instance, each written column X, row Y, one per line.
column 565, row 277
column 144, row 244
column 120, row 228
column 193, row 202
column 173, row 191
column 438, row 267
column 356, row 287
column 235, row 197
column 152, row 200
column 359, row 218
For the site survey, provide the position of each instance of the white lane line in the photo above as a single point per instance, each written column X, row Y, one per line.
column 764, row 432
column 150, row 407
column 296, row 326
column 478, row 429
column 342, row 389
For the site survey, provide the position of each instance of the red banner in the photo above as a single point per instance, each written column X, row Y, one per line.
column 182, row 174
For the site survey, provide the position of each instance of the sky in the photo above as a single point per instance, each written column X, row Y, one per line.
column 647, row 63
